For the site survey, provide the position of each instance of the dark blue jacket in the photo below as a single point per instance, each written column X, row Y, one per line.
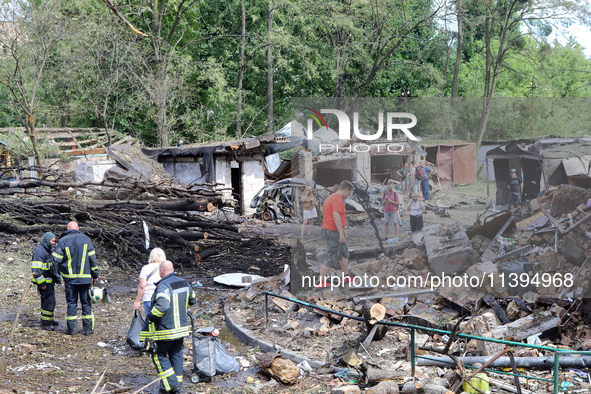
column 42, row 265
column 167, row 319
column 75, row 257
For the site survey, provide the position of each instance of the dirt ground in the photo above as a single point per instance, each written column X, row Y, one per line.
column 37, row 361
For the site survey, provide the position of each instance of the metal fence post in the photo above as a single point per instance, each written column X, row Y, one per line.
column 556, row 364
column 412, row 352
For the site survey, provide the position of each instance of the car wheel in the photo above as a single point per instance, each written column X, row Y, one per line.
column 269, row 214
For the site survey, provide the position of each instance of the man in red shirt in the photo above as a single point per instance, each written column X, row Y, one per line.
column 333, row 230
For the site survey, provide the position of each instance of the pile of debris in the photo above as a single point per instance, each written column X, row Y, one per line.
column 533, row 294
column 126, row 218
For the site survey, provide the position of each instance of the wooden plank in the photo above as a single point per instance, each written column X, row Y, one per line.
column 85, row 152
column 526, row 222
column 55, row 136
column 79, row 143
column 123, row 140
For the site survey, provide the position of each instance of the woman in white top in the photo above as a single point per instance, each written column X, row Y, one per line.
column 149, row 275
column 415, row 208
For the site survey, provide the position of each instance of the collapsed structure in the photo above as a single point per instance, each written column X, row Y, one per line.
column 533, row 298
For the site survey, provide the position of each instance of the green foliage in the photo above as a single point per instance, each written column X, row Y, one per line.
column 180, row 81
column 20, row 144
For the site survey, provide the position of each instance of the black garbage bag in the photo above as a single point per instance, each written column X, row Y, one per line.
column 133, row 335
column 224, row 363
column 210, row 357
column 204, row 356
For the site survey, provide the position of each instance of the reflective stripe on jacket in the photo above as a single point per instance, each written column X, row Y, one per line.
column 41, row 265
column 76, row 258
column 167, row 319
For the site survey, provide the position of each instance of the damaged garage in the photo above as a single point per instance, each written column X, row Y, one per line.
column 239, row 165
column 549, row 162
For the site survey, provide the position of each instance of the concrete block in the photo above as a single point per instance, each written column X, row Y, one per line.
column 571, row 250
column 526, row 326
column 448, row 248
column 491, row 348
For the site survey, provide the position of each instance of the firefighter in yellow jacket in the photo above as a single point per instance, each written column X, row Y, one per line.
column 167, row 325
column 44, row 276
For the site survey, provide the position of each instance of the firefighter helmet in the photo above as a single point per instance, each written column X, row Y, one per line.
column 96, row 294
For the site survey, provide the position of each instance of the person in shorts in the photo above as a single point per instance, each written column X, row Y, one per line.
column 391, row 201
column 309, row 208
column 333, row 231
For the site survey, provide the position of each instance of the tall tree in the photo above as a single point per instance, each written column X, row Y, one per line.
column 459, row 49
column 29, row 39
column 506, row 24
column 161, row 70
column 270, row 69
column 240, row 70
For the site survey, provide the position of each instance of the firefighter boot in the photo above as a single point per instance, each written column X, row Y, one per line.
column 87, row 326
column 72, row 327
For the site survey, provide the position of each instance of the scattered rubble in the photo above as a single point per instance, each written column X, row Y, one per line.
column 533, row 280
column 510, row 252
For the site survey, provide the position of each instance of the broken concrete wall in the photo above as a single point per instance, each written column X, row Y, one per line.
column 362, row 171
column 187, row 169
column 253, row 179
column 306, row 168
column 223, row 174
column 92, row 170
column 448, row 248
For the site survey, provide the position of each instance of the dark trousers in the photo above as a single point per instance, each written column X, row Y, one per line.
column 47, row 303
column 168, row 360
column 72, row 293
column 416, row 223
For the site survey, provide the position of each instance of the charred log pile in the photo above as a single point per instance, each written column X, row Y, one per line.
column 122, row 224
column 170, row 216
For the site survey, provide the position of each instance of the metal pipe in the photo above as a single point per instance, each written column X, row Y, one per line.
column 489, row 362
column 520, row 362
column 556, row 362
column 409, row 326
column 495, row 371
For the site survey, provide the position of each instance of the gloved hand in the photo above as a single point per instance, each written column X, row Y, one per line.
column 150, row 346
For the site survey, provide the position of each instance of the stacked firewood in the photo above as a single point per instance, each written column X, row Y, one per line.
column 166, row 215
